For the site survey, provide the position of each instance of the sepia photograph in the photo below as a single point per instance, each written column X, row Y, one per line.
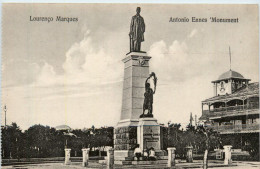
column 130, row 85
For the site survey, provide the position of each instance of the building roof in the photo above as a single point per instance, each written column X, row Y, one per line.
column 63, row 127
column 251, row 89
column 230, row 75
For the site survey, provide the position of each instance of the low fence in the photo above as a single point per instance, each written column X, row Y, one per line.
column 46, row 160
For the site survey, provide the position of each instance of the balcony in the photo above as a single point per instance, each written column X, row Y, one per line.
column 242, row 128
column 232, row 111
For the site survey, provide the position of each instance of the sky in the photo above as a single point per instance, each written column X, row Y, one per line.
column 56, row 73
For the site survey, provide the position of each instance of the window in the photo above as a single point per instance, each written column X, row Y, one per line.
column 222, row 84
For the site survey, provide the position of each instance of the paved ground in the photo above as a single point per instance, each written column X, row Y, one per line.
column 195, row 164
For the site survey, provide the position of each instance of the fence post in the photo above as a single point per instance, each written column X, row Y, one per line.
column 67, row 156
column 171, row 156
column 110, row 158
column 85, row 156
column 227, row 150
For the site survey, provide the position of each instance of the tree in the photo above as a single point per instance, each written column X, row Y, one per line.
column 252, row 145
column 212, row 140
column 175, row 138
column 11, row 141
column 43, row 141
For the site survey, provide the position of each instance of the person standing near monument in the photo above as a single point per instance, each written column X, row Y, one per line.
column 146, row 154
column 137, row 29
column 152, row 156
column 138, row 152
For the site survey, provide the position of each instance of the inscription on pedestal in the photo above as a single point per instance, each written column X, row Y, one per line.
column 151, row 136
column 125, row 138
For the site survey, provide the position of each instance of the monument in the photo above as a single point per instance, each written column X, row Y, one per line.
column 136, row 125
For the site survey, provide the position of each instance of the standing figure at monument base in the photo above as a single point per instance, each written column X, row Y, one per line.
column 148, row 96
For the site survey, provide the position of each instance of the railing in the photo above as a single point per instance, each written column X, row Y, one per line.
column 219, row 109
column 231, row 110
column 240, row 107
column 237, row 128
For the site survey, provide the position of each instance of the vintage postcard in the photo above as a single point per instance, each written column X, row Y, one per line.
column 96, row 85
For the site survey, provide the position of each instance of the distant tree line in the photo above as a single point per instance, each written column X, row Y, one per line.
column 176, row 137
column 43, row 141
column 203, row 138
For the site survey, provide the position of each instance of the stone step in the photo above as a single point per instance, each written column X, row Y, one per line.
column 129, row 158
column 126, row 162
column 161, row 153
column 118, row 162
column 149, row 162
column 102, row 161
column 119, row 158
column 142, row 159
column 124, row 158
column 162, row 157
column 140, row 162
column 142, row 166
column 162, row 161
column 123, row 162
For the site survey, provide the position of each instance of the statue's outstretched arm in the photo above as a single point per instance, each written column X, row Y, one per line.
column 155, row 82
column 147, row 79
column 154, row 88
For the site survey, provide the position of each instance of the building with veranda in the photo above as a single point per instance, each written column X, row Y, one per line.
column 233, row 110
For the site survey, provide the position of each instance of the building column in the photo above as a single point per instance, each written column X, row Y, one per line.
column 247, row 103
column 99, row 152
column 227, row 150
column 243, row 104
column 110, row 158
column 171, row 156
column 67, row 156
column 85, row 156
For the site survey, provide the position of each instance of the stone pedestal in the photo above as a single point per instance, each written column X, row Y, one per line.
column 148, row 134
column 227, row 150
column 171, row 156
column 67, row 156
column 110, row 158
column 131, row 129
column 125, row 138
column 85, row 156
column 189, row 155
column 136, row 70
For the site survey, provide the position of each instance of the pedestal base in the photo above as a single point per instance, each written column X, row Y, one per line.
column 145, row 132
column 125, row 138
column 123, row 155
column 148, row 134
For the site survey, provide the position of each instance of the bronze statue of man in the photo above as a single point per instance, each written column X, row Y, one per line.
column 148, row 96
column 137, row 29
